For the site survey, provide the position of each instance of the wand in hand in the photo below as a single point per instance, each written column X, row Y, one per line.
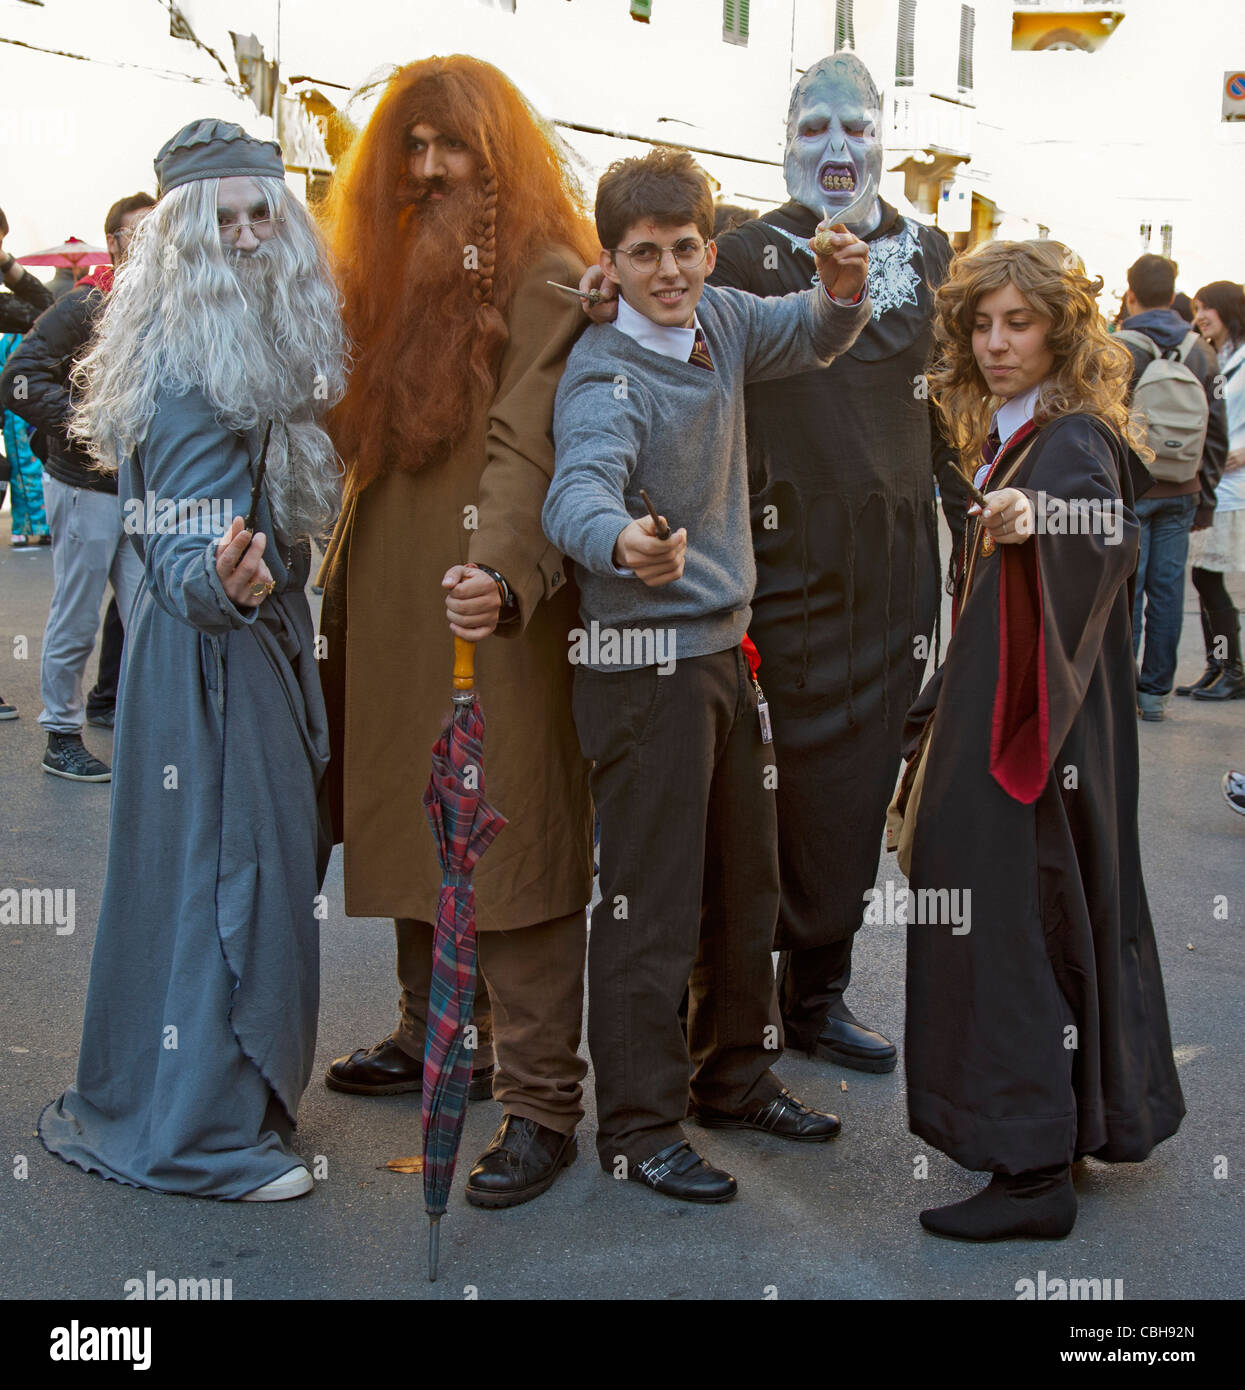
column 592, row 296
column 662, row 530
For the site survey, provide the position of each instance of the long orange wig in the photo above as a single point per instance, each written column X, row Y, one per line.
column 426, row 347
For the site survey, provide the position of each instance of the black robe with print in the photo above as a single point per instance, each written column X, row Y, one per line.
column 1040, row 1034
column 841, row 473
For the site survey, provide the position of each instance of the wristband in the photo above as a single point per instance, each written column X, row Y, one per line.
column 508, row 599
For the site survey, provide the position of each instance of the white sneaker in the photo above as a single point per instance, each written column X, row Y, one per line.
column 295, row 1183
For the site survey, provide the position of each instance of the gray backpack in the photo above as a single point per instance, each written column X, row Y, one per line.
column 1170, row 403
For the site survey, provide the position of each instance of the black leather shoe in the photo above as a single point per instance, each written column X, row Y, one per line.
column 520, row 1163
column 385, row 1070
column 853, row 1045
column 1229, row 685
column 1214, row 669
column 785, row 1116
column 679, row 1171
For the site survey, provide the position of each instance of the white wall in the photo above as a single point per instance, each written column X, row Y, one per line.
column 1090, row 145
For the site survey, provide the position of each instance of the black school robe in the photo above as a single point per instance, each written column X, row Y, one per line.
column 1041, row 1034
column 840, row 469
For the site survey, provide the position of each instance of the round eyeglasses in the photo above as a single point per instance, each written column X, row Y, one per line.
column 688, row 253
column 230, row 227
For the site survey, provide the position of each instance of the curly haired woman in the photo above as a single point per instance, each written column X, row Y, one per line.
column 1037, row 1030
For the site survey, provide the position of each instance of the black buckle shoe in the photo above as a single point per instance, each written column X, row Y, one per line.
column 785, row 1115
column 385, row 1070
column 851, row 1044
column 679, row 1171
column 67, row 757
column 520, row 1163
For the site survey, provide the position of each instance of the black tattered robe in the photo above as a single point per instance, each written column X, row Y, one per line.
column 1041, row 1034
column 841, row 475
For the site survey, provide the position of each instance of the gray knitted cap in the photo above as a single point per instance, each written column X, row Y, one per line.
column 211, row 149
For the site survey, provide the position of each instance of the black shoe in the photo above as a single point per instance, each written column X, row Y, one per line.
column 785, row 1116
column 1208, row 677
column 385, row 1070
column 67, row 757
column 1228, row 685
column 851, row 1044
column 7, row 711
column 679, row 1171
column 102, row 718
column 520, row 1163
column 1040, row 1205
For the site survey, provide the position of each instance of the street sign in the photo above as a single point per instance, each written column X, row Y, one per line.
column 1234, row 96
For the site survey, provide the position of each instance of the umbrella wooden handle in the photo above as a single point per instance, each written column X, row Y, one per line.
column 464, row 664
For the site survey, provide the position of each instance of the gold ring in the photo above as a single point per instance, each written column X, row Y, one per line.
column 263, row 590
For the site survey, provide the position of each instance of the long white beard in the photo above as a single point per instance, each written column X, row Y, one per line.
column 303, row 475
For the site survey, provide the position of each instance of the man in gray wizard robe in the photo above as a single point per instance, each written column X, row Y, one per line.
column 220, row 348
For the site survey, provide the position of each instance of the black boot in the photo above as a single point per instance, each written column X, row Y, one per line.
column 1230, row 683
column 1041, row 1203
column 1213, row 664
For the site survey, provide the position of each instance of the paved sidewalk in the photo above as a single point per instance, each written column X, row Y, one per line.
column 834, row 1221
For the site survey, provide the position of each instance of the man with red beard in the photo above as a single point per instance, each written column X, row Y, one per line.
column 450, row 213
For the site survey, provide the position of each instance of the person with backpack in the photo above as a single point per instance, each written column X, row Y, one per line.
column 1174, row 400
column 1220, row 548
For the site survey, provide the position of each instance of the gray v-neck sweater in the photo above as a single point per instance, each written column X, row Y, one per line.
column 627, row 418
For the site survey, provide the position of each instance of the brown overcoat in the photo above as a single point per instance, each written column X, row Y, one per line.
column 389, row 652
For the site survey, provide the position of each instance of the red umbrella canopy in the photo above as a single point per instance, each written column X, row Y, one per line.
column 71, row 252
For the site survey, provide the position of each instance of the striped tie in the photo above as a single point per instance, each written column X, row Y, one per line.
column 700, row 352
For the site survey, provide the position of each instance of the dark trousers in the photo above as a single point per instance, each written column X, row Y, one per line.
column 689, row 885
column 1159, row 599
column 1220, row 620
column 529, row 1010
column 104, row 696
column 810, row 990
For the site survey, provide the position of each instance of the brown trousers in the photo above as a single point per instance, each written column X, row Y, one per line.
column 529, row 1012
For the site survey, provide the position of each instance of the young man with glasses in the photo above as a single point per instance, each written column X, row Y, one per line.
column 89, row 547
column 682, row 778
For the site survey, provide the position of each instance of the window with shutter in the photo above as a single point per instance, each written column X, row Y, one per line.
column 968, row 21
column 844, row 29
column 905, row 44
column 735, row 21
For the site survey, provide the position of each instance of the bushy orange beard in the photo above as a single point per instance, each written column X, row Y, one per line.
column 413, row 389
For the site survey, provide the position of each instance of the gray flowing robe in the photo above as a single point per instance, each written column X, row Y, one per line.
column 200, row 1019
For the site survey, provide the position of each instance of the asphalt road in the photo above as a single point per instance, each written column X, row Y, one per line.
column 834, row 1221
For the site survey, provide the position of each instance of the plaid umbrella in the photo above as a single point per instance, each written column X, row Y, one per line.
column 463, row 825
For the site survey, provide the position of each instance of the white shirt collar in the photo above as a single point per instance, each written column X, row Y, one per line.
column 669, row 342
column 1011, row 415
